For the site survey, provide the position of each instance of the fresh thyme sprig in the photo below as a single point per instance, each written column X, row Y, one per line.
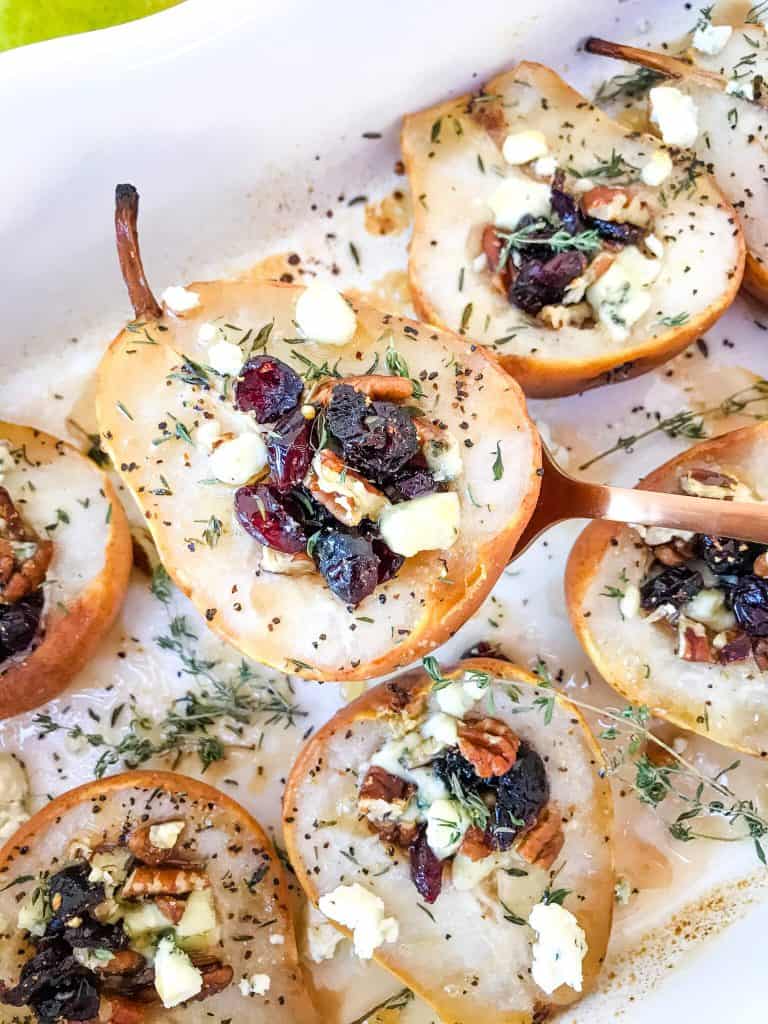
column 689, row 423
column 632, row 86
column 614, row 167
column 585, row 241
column 756, row 13
column 396, row 1002
column 229, row 701
column 653, row 784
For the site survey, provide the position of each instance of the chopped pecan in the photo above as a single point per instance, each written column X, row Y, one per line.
column 216, row 977
column 380, row 386
column 676, row 552
column 693, row 643
column 760, row 651
column 476, row 844
column 398, row 833
column 489, row 745
column 140, row 844
column 20, row 575
column 379, row 784
column 543, row 841
column 760, row 566
column 116, row 1010
column 164, row 881
column 616, row 204
column 171, row 908
column 123, row 961
column 347, row 495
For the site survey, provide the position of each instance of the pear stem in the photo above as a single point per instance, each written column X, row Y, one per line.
column 144, row 303
column 672, row 67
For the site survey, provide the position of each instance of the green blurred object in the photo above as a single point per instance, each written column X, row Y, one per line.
column 29, row 21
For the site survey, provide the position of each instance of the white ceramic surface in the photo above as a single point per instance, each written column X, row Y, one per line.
column 235, row 118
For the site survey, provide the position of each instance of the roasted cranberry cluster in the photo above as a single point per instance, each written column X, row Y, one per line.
column 378, row 439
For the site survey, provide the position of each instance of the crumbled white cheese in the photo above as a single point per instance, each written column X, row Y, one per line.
column 655, row 535
column 393, row 757
column 179, row 299
column 176, row 977
column 711, row 39
column 657, row 168
column 356, row 499
column 545, row 167
column 480, row 263
column 430, row 786
column 324, row 315
column 14, row 794
column 165, row 834
column 742, row 87
column 256, row 985
column 238, row 460
column 207, row 434
column 286, row 564
column 629, row 604
column 559, row 950
column 441, row 727
column 6, row 459
column 620, row 297
column 225, row 358
column 676, row 114
column 467, row 873
column 447, row 821
column 207, row 333
column 277, row 940
column 322, row 938
column 517, row 196
column 199, row 917
column 459, row 696
column 34, row 914
column 427, row 523
column 443, row 457
column 655, row 245
column 708, row 607
column 92, row 959
column 622, row 890
column 110, row 867
column 362, row 911
column 523, row 147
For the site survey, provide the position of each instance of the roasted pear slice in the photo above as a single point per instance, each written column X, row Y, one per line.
column 467, row 950
column 677, row 622
column 206, row 844
column 578, row 310
column 731, row 142
column 159, row 402
column 65, row 558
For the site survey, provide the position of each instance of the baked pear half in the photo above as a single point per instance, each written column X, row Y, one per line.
column 458, row 827
column 679, row 621
column 581, row 253
column 65, row 558
column 146, row 897
column 721, row 96
column 336, row 489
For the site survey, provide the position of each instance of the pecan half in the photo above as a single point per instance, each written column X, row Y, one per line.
column 543, row 841
column 380, row 386
column 489, row 745
column 616, row 204
column 398, row 833
column 140, row 844
column 693, row 643
column 164, row 881
column 171, row 908
column 123, row 961
column 476, row 844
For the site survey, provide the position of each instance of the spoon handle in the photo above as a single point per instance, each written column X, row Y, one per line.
column 742, row 520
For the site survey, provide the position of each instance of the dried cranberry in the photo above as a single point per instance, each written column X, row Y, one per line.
column 271, row 517
column 529, row 247
column 72, row 894
column 616, row 231
column 267, row 387
column 348, row 564
column 19, row 624
column 727, row 557
column 749, row 600
column 390, row 563
column 565, row 207
column 426, row 869
column 522, row 793
column 289, row 452
column 674, row 586
column 410, row 482
column 55, row 986
column 377, row 438
column 540, row 284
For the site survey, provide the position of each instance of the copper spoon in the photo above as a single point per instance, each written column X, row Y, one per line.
column 563, row 497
